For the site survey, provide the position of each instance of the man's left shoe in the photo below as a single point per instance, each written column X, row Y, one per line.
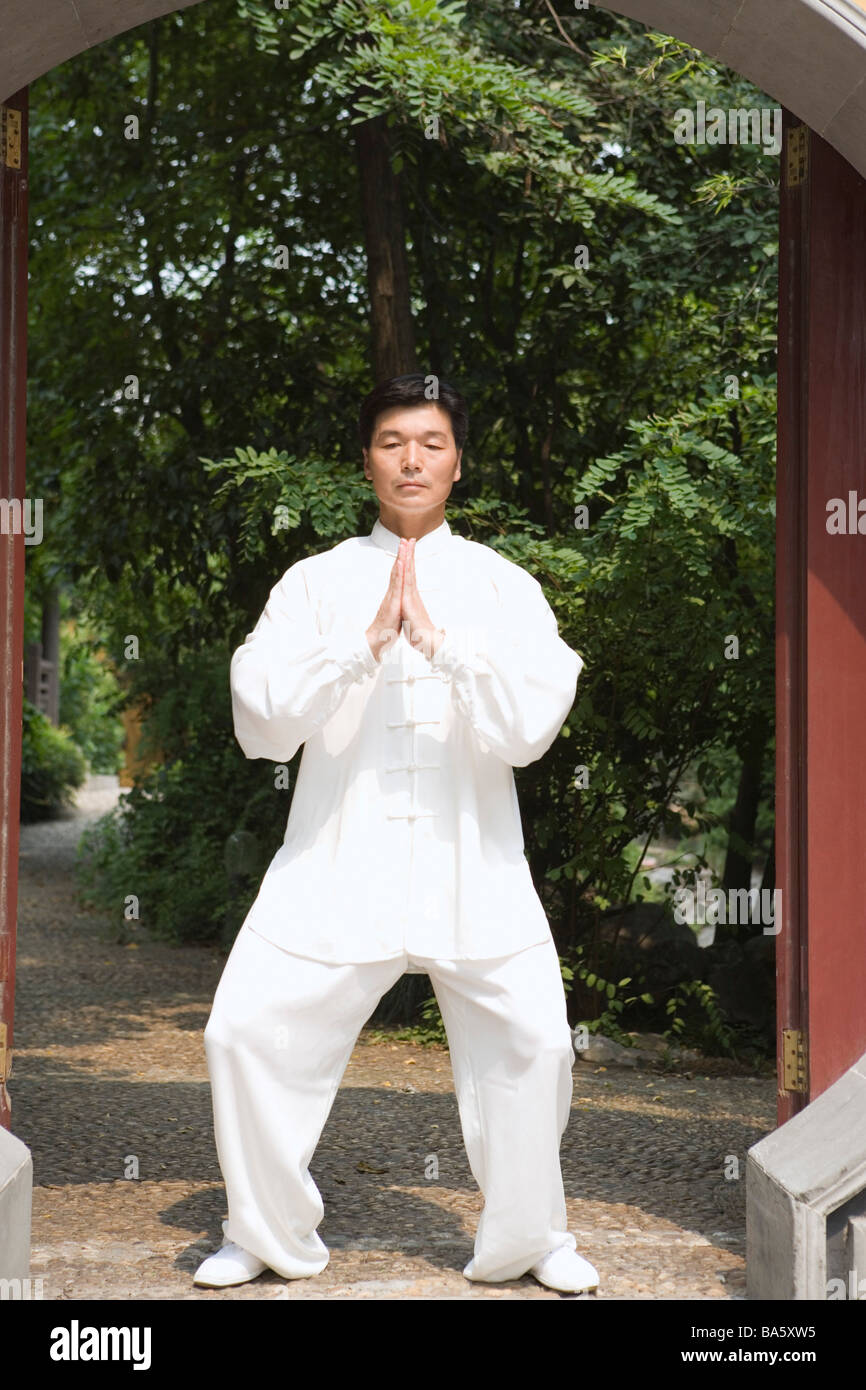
column 230, row 1265
column 563, row 1269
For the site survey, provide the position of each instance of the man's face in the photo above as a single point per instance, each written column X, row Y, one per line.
column 413, row 445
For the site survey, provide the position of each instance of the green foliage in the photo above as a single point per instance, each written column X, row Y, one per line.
column 690, row 1010
column 616, row 1001
column 52, row 766
column 275, row 492
column 179, row 288
column 672, row 567
column 158, row 847
column 90, row 702
column 712, row 1031
column 91, row 698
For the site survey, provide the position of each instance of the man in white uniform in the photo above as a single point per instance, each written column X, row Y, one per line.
column 417, row 668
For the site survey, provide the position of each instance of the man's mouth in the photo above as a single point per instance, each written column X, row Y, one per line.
column 410, row 484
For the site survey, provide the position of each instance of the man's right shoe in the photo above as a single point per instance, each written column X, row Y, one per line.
column 565, row 1270
column 230, row 1265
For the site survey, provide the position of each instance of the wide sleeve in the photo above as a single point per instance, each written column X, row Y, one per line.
column 513, row 677
column 287, row 679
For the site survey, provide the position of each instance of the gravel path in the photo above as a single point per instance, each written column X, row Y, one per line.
column 110, row 1075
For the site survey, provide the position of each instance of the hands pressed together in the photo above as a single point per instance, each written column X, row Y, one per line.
column 403, row 603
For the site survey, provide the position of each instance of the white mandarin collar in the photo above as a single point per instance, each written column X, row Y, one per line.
column 427, row 545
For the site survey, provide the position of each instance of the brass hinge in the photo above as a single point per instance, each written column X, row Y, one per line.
column 10, row 136
column 794, row 1060
column 5, row 1054
column 797, row 155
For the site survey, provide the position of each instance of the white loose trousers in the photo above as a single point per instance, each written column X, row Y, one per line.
column 280, row 1034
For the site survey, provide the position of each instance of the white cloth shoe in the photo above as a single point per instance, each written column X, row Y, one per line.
column 565, row 1270
column 230, row 1265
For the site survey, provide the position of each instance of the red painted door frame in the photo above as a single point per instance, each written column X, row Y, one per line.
column 13, row 401
column 821, row 612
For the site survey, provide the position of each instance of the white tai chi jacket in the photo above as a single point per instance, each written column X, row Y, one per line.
column 404, row 832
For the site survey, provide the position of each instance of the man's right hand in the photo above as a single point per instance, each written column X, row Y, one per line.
column 386, row 626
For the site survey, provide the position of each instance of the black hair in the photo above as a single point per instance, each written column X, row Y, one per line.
column 412, row 389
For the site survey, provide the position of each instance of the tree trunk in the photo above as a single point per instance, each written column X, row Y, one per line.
column 738, row 861
column 768, row 882
column 51, row 651
column 391, row 328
